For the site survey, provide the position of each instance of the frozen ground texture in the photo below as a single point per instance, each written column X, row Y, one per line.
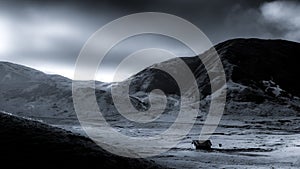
column 259, row 128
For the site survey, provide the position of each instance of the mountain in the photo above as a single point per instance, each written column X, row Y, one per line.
column 257, row 71
column 261, row 79
column 246, row 62
column 31, row 93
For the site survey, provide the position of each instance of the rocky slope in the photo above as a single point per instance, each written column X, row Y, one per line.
column 250, row 62
column 31, row 93
column 261, row 78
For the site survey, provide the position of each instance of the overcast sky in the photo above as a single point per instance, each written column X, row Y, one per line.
column 48, row 35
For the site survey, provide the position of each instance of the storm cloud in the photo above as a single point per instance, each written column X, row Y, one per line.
column 284, row 16
column 48, row 35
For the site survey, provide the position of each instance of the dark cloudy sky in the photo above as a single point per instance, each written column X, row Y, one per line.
column 48, row 35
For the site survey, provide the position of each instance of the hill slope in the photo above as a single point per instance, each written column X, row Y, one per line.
column 29, row 143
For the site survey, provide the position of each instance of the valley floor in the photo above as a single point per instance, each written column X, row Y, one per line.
column 248, row 145
column 239, row 142
column 255, row 142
